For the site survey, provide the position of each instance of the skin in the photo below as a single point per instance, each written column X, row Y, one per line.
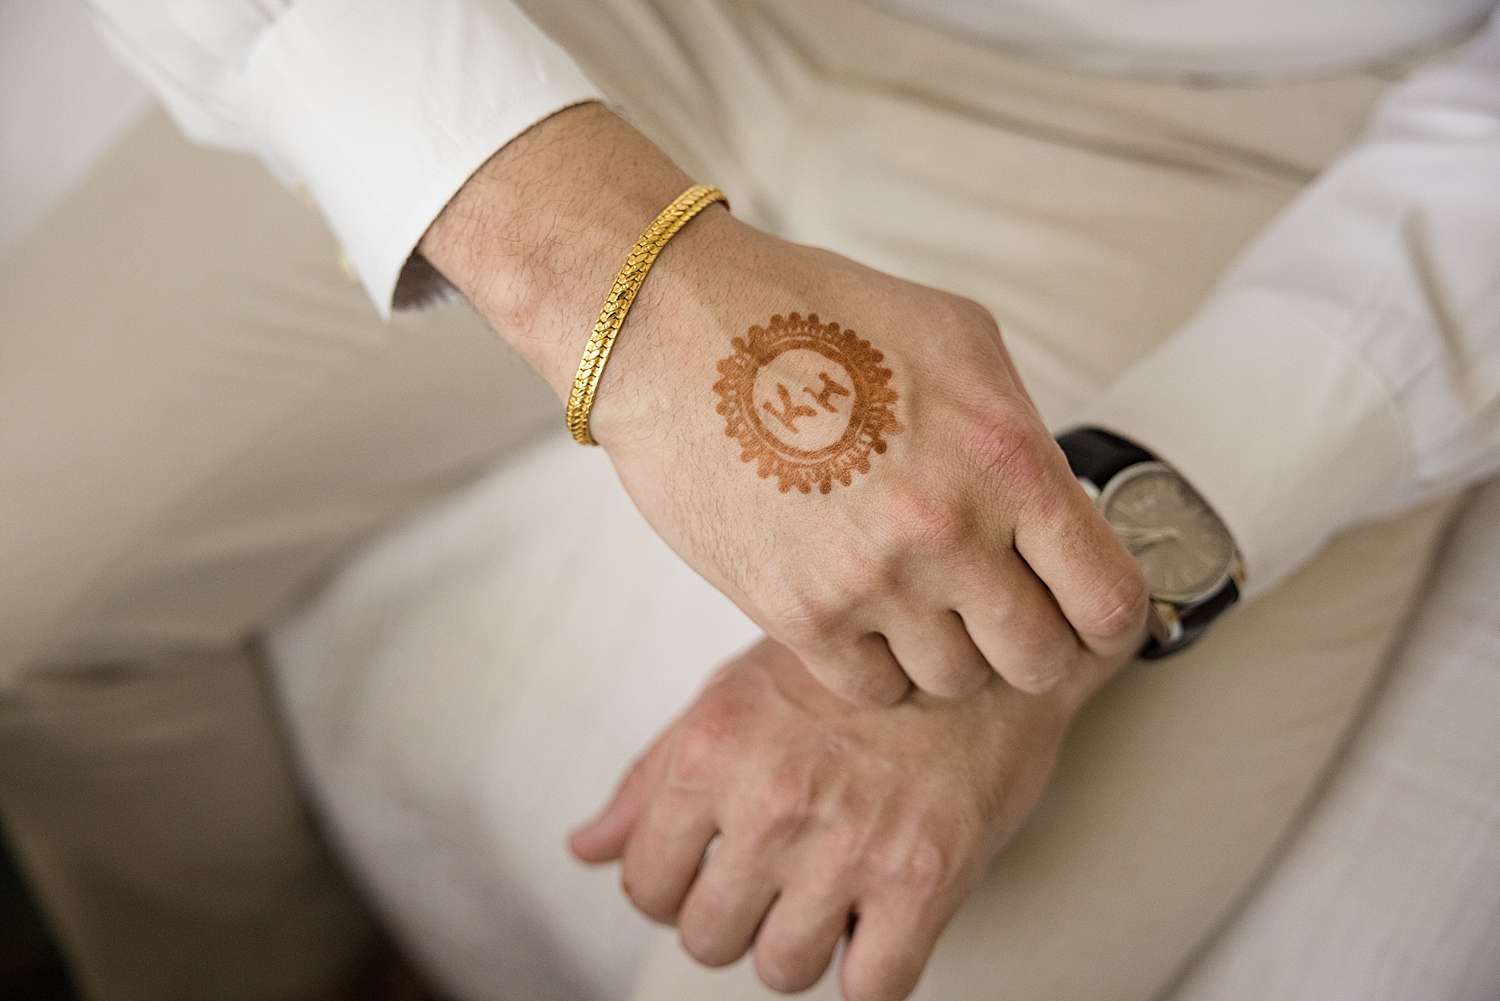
column 968, row 549
column 829, row 817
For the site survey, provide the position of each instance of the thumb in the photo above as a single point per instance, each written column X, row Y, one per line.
column 603, row 839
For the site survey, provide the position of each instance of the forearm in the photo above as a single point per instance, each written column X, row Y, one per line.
column 537, row 235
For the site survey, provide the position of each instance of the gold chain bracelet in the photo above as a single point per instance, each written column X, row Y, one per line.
column 627, row 284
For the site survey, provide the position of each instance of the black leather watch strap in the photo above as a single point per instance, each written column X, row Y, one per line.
column 1096, row 455
column 1195, row 620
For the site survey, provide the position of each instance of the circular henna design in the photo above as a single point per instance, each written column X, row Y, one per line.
column 807, row 401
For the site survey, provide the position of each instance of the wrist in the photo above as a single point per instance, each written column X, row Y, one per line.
column 535, row 237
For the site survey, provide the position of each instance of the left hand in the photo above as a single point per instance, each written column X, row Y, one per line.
column 830, row 817
column 875, row 488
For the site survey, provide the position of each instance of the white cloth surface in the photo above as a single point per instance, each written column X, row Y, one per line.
column 1370, row 310
column 470, row 690
column 1391, row 890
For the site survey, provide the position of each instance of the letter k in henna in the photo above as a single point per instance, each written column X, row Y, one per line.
column 790, row 410
column 830, row 388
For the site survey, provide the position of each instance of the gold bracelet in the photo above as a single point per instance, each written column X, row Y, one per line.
column 627, row 284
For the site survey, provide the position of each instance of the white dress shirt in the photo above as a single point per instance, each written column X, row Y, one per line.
column 381, row 109
column 1347, row 367
column 1240, row 38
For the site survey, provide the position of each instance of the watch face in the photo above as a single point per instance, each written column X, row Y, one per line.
column 1183, row 548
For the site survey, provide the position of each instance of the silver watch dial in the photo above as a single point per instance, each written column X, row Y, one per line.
column 1183, row 548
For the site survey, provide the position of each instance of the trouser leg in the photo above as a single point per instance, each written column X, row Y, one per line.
column 198, row 416
column 154, row 805
column 1390, row 888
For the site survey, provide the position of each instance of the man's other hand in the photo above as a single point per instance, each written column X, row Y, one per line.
column 825, row 819
column 848, row 456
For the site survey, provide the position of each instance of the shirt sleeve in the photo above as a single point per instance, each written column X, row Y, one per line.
column 1347, row 367
column 380, row 109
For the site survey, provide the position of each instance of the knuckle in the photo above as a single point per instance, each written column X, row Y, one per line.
column 1121, row 608
column 785, row 965
column 701, row 940
column 805, row 621
column 920, row 868
column 843, row 840
column 876, row 689
column 949, row 675
column 866, row 689
column 1032, row 679
column 861, row 987
column 1034, row 663
column 1036, row 672
column 649, row 898
column 778, row 804
column 885, row 983
column 1034, row 644
column 958, row 678
column 885, row 576
column 695, row 759
column 928, row 522
column 925, row 869
column 978, row 314
column 1006, row 445
column 960, row 311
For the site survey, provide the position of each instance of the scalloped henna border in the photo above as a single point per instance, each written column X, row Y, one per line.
column 871, row 418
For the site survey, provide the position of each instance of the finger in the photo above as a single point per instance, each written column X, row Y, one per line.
column 938, row 654
column 892, row 941
column 603, row 839
column 726, row 903
column 664, row 852
column 1017, row 626
column 796, row 941
column 1096, row 582
column 862, row 671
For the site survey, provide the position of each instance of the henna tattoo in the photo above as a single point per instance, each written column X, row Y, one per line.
column 855, row 402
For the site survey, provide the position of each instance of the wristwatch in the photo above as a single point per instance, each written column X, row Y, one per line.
column 1193, row 570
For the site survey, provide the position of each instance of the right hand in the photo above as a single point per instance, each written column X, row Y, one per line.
column 831, row 822
column 951, row 542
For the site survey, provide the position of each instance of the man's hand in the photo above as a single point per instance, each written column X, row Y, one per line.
column 828, row 816
column 848, row 456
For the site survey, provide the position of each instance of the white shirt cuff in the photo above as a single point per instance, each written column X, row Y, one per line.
column 1285, row 432
column 383, row 111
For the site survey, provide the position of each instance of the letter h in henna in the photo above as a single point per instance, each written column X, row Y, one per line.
column 790, row 410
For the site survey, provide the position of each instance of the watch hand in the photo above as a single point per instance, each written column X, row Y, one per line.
column 1143, row 537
